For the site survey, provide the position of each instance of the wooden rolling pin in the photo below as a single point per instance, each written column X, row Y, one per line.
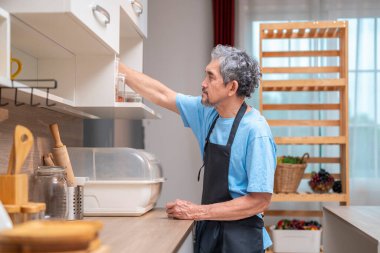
column 48, row 159
column 61, row 156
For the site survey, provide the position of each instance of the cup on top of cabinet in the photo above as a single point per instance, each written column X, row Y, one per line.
column 17, row 62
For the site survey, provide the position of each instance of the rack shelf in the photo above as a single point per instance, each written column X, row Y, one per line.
column 321, row 62
column 309, row 197
column 301, row 107
column 305, row 213
column 304, row 122
column 328, row 53
column 310, row 140
column 304, row 85
column 302, row 30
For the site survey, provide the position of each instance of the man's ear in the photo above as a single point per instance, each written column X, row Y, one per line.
column 234, row 85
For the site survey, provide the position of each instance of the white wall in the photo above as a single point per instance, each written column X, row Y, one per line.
column 176, row 52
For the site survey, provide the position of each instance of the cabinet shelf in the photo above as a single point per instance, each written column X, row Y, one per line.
column 309, row 197
column 128, row 110
column 39, row 96
column 135, row 111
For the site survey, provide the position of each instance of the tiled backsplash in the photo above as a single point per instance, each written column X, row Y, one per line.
column 37, row 120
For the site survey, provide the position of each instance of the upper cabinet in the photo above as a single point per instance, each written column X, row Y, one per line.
column 137, row 12
column 5, row 32
column 76, row 43
column 82, row 27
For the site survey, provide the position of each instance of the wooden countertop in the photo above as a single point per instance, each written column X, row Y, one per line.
column 152, row 232
column 364, row 218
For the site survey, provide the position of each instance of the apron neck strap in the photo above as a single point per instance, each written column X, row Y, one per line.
column 236, row 123
column 211, row 128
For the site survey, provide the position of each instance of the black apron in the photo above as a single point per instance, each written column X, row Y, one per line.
column 241, row 236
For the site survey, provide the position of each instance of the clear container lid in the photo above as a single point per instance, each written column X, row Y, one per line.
column 114, row 164
column 50, row 170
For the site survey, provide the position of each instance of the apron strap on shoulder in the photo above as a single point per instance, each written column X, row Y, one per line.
column 236, row 123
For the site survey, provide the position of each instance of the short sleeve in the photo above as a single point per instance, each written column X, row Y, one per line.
column 193, row 114
column 261, row 164
column 190, row 109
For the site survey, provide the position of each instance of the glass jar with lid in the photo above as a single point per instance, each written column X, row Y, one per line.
column 50, row 187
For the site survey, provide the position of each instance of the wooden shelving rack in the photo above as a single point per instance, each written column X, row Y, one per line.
column 310, row 30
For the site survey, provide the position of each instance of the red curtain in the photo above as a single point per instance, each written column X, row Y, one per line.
column 224, row 21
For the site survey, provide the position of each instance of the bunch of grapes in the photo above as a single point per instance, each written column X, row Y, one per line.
column 321, row 182
column 337, row 187
column 286, row 224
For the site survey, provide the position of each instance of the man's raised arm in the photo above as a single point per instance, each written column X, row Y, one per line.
column 149, row 88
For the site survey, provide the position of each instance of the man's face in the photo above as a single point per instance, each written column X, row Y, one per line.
column 213, row 88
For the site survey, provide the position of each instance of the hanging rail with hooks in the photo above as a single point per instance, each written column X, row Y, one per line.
column 31, row 103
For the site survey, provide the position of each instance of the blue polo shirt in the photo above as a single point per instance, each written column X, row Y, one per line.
column 253, row 152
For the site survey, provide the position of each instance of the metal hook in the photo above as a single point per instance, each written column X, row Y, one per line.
column 47, row 98
column 31, row 92
column 1, row 104
column 31, row 98
column 17, row 104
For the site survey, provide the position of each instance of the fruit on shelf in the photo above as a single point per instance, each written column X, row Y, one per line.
column 295, row 224
column 321, row 182
column 337, row 187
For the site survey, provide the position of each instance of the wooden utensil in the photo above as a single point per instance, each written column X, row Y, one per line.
column 14, row 186
column 11, row 162
column 23, row 142
column 61, row 156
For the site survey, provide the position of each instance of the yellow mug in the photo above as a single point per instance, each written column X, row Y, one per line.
column 19, row 67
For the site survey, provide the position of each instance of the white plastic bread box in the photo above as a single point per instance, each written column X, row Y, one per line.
column 122, row 181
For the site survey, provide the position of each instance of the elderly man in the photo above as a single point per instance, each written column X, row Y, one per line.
column 238, row 152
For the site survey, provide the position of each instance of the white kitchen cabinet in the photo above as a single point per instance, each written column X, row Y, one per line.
column 82, row 27
column 137, row 12
column 4, row 45
column 69, row 40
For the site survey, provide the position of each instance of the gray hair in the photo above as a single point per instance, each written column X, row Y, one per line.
column 237, row 65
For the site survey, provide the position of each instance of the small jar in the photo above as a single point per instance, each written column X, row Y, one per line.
column 50, row 187
column 14, row 212
column 30, row 212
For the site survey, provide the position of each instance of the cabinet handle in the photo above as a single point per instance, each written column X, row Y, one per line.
column 137, row 6
column 104, row 12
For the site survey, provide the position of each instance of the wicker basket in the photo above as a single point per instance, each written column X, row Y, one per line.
column 288, row 176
